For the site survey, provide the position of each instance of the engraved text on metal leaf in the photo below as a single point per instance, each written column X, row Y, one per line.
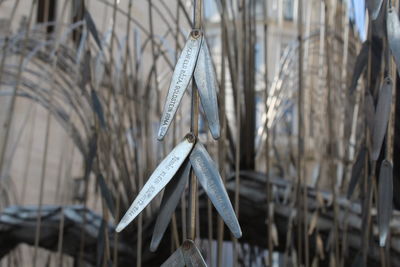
column 211, row 181
column 171, row 197
column 206, row 82
column 157, row 181
column 180, row 80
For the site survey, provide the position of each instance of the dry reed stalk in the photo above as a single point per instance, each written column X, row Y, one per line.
column 28, row 155
column 268, row 133
column 67, row 175
column 47, row 133
column 10, row 111
column 240, row 24
column 194, row 128
column 368, row 172
column 221, row 142
column 331, row 132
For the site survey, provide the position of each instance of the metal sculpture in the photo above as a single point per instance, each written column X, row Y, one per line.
column 194, row 62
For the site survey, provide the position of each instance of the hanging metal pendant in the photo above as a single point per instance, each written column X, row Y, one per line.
column 359, row 66
column 180, row 80
column 192, row 255
column 381, row 117
column 175, row 260
column 171, row 197
column 369, row 111
column 385, row 199
column 209, row 178
column 158, row 180
column 187, row 255
column 207, row 85
column 356, row 171
column 393, row 32
column 374, row 6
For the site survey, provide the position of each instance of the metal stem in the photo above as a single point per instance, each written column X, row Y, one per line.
column 197, row 21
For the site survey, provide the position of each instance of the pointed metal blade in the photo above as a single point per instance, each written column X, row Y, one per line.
column 369, row 109
column 192, row 255
column 171, row 197
column 356, row 171
column 207, row 85
column 374, row 6
column 175, row 260
column 158, row 180
column 385, row 200
column 180, row 80
column 359, row 66
column 211, row 181
column 381, row 117
column 393, row 32
column 92, row 28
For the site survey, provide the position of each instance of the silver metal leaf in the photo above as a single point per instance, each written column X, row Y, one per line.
column 98, row 109
column 86, row 70
column 92, row 28
column 106, row 194
column 180, row 80
column 211, row 181
column 158, row 180
column 393, row 32
column 192, row 255
column 359, row 66
column 356, row 171
column 385, row 199
column 381, row 117
column 369, row 108
column 175, row 260
column 207, row 85
column 374, row 6
column 172, row 195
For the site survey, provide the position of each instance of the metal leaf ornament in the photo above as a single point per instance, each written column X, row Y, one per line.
column 188, row 154
column 187, row 255
column 171, row 197
column 194, row 60
column 173, row 172
column 381, row 117
column 356, row 171
column 158, row 180
column 206, row 82
column 385, row 199
column 211, row 181
column 361, row 62
column 393, row 32
column 374, row 6
column 92, row 28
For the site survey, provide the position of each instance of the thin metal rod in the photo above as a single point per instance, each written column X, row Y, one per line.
column 368, row 172
column 194, row 128
column 332, row 169
column 267, row 159
column 193, row 181
column 221, row 141
column 301, row 141
column 47, row 140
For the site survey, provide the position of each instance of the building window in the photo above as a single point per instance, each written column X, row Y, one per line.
column 287, row 9
column 210, row 10
column 46, row 12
